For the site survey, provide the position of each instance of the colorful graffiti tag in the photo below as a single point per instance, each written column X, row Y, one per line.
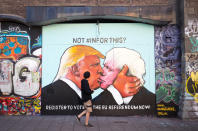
column 19, row 106
column 6, row 72
column 191, row 32
column 20, row 71
column 192, row 75
column 13, row 43
column 168, row 69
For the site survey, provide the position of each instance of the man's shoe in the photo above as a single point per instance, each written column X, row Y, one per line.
column 77, row 118
column 89, row 125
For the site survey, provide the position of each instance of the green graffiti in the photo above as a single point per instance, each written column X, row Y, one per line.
column 168, row 75
column 165, row 76
column 167, row 93
column 194, row 42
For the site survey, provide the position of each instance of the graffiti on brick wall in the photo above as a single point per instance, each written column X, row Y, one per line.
column 168, row 68
column 166, row 85
column 192, row 75
column 6, row 72
column 13, row 43
column 20, row 106
column 26, row 78
column 20, row 70
column 191, row 32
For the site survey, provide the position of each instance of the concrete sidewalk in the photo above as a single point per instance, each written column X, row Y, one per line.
column 69, row 123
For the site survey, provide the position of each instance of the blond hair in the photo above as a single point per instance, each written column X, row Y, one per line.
column 73, row 55
column 131, row 58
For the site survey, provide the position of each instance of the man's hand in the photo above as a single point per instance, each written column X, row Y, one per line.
column 126, row 85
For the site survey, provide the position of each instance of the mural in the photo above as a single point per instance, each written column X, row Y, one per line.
column 168, row 70
column 20, row 70
column 120, row 84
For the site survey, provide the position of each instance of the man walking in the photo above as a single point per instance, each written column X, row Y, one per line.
column 86, row 99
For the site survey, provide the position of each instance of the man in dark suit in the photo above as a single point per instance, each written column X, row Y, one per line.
column 63, row 95
column 117, row 98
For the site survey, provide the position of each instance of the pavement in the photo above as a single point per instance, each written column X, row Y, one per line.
column 69, row 123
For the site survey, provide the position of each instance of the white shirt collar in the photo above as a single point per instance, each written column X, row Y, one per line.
column 72, row 85
column 115, row 93
column 117, row 96
column 126, row 100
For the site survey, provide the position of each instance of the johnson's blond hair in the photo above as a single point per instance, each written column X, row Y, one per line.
column 73, row 55
column 131, row 58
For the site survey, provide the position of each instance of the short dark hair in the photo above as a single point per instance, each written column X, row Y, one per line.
column 86, row 74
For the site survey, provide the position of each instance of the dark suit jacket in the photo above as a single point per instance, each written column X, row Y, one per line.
column 141, row 99
column 85, row 91
column 56, row 95
column 60, row 94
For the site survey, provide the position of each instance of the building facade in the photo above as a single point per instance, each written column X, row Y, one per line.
column 162, row 32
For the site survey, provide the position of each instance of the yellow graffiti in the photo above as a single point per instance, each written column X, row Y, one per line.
column 162, row 113
column 196, row 97
column 194, row 86
column 194, row 76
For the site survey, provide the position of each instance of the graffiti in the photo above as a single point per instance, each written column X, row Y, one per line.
column 192, row 29
column 192, row 86
column 27, row 78
column 19, row 106
column 13, row 44
column 166, row 46
column 163, row 109
column 14, row 29
column 6, row 71
column 20, row 71
column 194, row 42
column 166, row 86
column 168, row 67
column 192, row 75
column 191, row 56
column 165, row 76
column 191, row 67
column 38, row 42
column 191, row 32
column 196, row 97
column 168, row 93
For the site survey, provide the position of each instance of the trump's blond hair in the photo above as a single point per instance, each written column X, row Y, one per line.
column 73, row 55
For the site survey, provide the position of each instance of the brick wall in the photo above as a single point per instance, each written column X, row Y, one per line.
column 189, row 101
column 152, row 9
